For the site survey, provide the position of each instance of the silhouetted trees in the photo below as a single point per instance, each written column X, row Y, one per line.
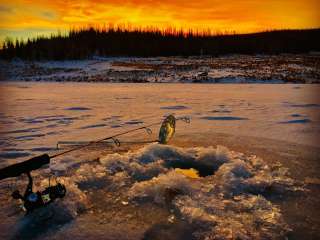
column 88, row 42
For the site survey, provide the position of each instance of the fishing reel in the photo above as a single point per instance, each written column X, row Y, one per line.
column 53, row 192
column 32, row 200
column 58, row 190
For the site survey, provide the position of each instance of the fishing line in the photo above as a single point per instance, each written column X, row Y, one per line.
column 104, row 139
column 114, row 137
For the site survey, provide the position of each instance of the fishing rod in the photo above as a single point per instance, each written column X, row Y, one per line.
column 114, row 138
column 38, row 161
column 166, row 132
column 33, row 200
column 83, row 144
column 80, row 143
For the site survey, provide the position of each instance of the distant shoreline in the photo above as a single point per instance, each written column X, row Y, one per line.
column 283, row 68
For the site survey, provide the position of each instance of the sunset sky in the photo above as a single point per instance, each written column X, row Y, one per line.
column 28, row 18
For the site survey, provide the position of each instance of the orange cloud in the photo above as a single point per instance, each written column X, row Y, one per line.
column 23, row 18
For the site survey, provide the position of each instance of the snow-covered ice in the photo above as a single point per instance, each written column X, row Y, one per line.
column 245, row 167
column 285, row 68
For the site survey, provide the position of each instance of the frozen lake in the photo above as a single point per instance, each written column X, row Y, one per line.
column 34, row 116
column 277, row 123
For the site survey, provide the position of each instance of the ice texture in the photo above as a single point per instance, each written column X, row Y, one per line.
column 230, row 203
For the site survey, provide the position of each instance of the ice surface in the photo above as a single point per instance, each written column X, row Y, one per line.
column 277, row 112
column 229, row 204
column 229, row 200
column 238, row 190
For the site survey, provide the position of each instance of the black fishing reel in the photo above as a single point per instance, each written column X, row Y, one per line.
column 33, row 200
column 54, row 192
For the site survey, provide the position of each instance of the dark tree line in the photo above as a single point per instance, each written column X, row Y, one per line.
column 88, row 42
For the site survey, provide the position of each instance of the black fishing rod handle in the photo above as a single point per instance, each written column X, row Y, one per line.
column 17, row 169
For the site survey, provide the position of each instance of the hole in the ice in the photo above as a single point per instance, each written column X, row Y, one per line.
column 191, row 173
column 192, row 168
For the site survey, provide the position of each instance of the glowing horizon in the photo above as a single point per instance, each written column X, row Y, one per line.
column 25, row 18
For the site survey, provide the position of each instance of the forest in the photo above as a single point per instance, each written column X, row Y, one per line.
column 88, row 42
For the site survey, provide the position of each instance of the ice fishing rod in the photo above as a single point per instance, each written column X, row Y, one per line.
column 33, row 200
column 166, row 132
column 114, row 137
column 168, row 120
